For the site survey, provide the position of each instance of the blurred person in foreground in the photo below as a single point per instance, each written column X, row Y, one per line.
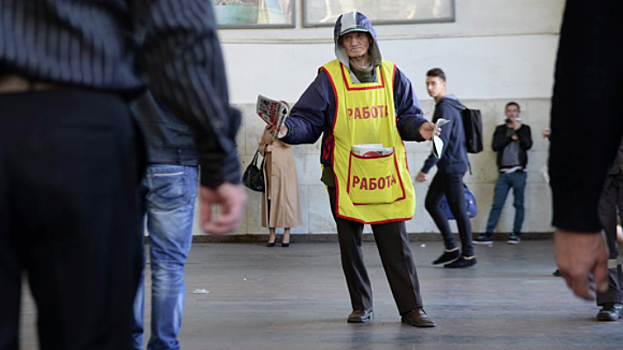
column 588, row 69
column 71, row 156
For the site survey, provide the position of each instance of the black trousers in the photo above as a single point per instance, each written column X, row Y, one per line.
column 610, row 204
column 450, row 185
column 69, row 164
column 393, row 244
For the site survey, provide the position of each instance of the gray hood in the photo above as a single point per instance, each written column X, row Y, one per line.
column 355, row 22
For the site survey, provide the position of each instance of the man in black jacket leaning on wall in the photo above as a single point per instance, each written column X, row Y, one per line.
column 511, row 140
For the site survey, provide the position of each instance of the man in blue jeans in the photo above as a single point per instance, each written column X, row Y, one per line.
column 511, row 141
column 166, row 197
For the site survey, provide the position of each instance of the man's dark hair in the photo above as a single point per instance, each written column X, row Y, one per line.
column 512, row 103
column 436, row 72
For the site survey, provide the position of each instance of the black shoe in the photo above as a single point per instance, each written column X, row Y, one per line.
column 417, row 318
column 514, row 239
column 285, row 245
column 461, row 262
column 557, row 273
column 448, row 256
column 361, row 316
column 270, row 244
column 484, row 239
column 610, row 312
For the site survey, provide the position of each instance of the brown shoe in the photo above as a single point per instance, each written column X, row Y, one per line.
column 361, row 316
column 418, row 318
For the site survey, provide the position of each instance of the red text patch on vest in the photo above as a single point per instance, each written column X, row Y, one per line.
column 368, row 112
column 373, row 183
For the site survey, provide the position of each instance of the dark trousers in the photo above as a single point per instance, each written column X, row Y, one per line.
column 450, row 185
column 68, row 169
column 393, row 245
column 610, row 203
column 517, row 181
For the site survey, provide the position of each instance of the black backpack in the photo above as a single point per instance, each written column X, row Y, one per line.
column 472, row 124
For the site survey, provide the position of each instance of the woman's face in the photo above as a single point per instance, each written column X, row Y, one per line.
column 356, row 43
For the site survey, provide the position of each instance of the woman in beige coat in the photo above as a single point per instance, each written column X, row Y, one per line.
column 280, row 202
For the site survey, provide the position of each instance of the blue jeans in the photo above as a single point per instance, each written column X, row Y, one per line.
column 167, row 196
column 516, row 180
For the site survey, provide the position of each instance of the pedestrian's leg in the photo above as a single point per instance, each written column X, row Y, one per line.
column 393, row 244
column 619, row 181
column 350, row 235
column 271, row 236
column 433, row 199
column 285, row 242
column 455, row 194
column 519, row 187
column 500, row 192
column 77, row 201
column 138, row 326
column 170, row 210
column 608, row 215
column 10, row 243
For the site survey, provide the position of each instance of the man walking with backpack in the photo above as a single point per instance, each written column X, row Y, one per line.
column 511, row 141
column 448, row 181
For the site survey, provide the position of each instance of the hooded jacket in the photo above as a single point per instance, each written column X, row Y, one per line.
column 314, row 113
column 454, row 154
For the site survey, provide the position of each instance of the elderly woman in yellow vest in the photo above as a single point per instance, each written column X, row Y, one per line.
column 280, row 202
column 360, row 99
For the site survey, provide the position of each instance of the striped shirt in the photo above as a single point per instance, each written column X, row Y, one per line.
column 169, row 46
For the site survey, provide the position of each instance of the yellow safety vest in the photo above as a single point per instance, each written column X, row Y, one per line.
column 371, row 190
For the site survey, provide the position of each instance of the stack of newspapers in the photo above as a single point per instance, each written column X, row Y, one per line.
column 372, row 150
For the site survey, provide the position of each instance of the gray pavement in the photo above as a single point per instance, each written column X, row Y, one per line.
column 296, row 298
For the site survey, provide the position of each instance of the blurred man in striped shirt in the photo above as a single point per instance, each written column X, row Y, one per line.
column 71, row 156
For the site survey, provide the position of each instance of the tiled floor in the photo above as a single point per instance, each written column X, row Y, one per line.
column 295, row 298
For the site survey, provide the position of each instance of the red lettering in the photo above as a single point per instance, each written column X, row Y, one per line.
column 357, row 113
column 380, row 111
column 372, row 184
column 356, row 180
column 366, row 112
column 381, row 183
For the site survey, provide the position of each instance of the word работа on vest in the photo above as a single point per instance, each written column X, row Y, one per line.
column 373, row 183
column 366, row 112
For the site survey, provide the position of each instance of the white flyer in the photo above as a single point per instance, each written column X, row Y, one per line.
column 437, row 141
